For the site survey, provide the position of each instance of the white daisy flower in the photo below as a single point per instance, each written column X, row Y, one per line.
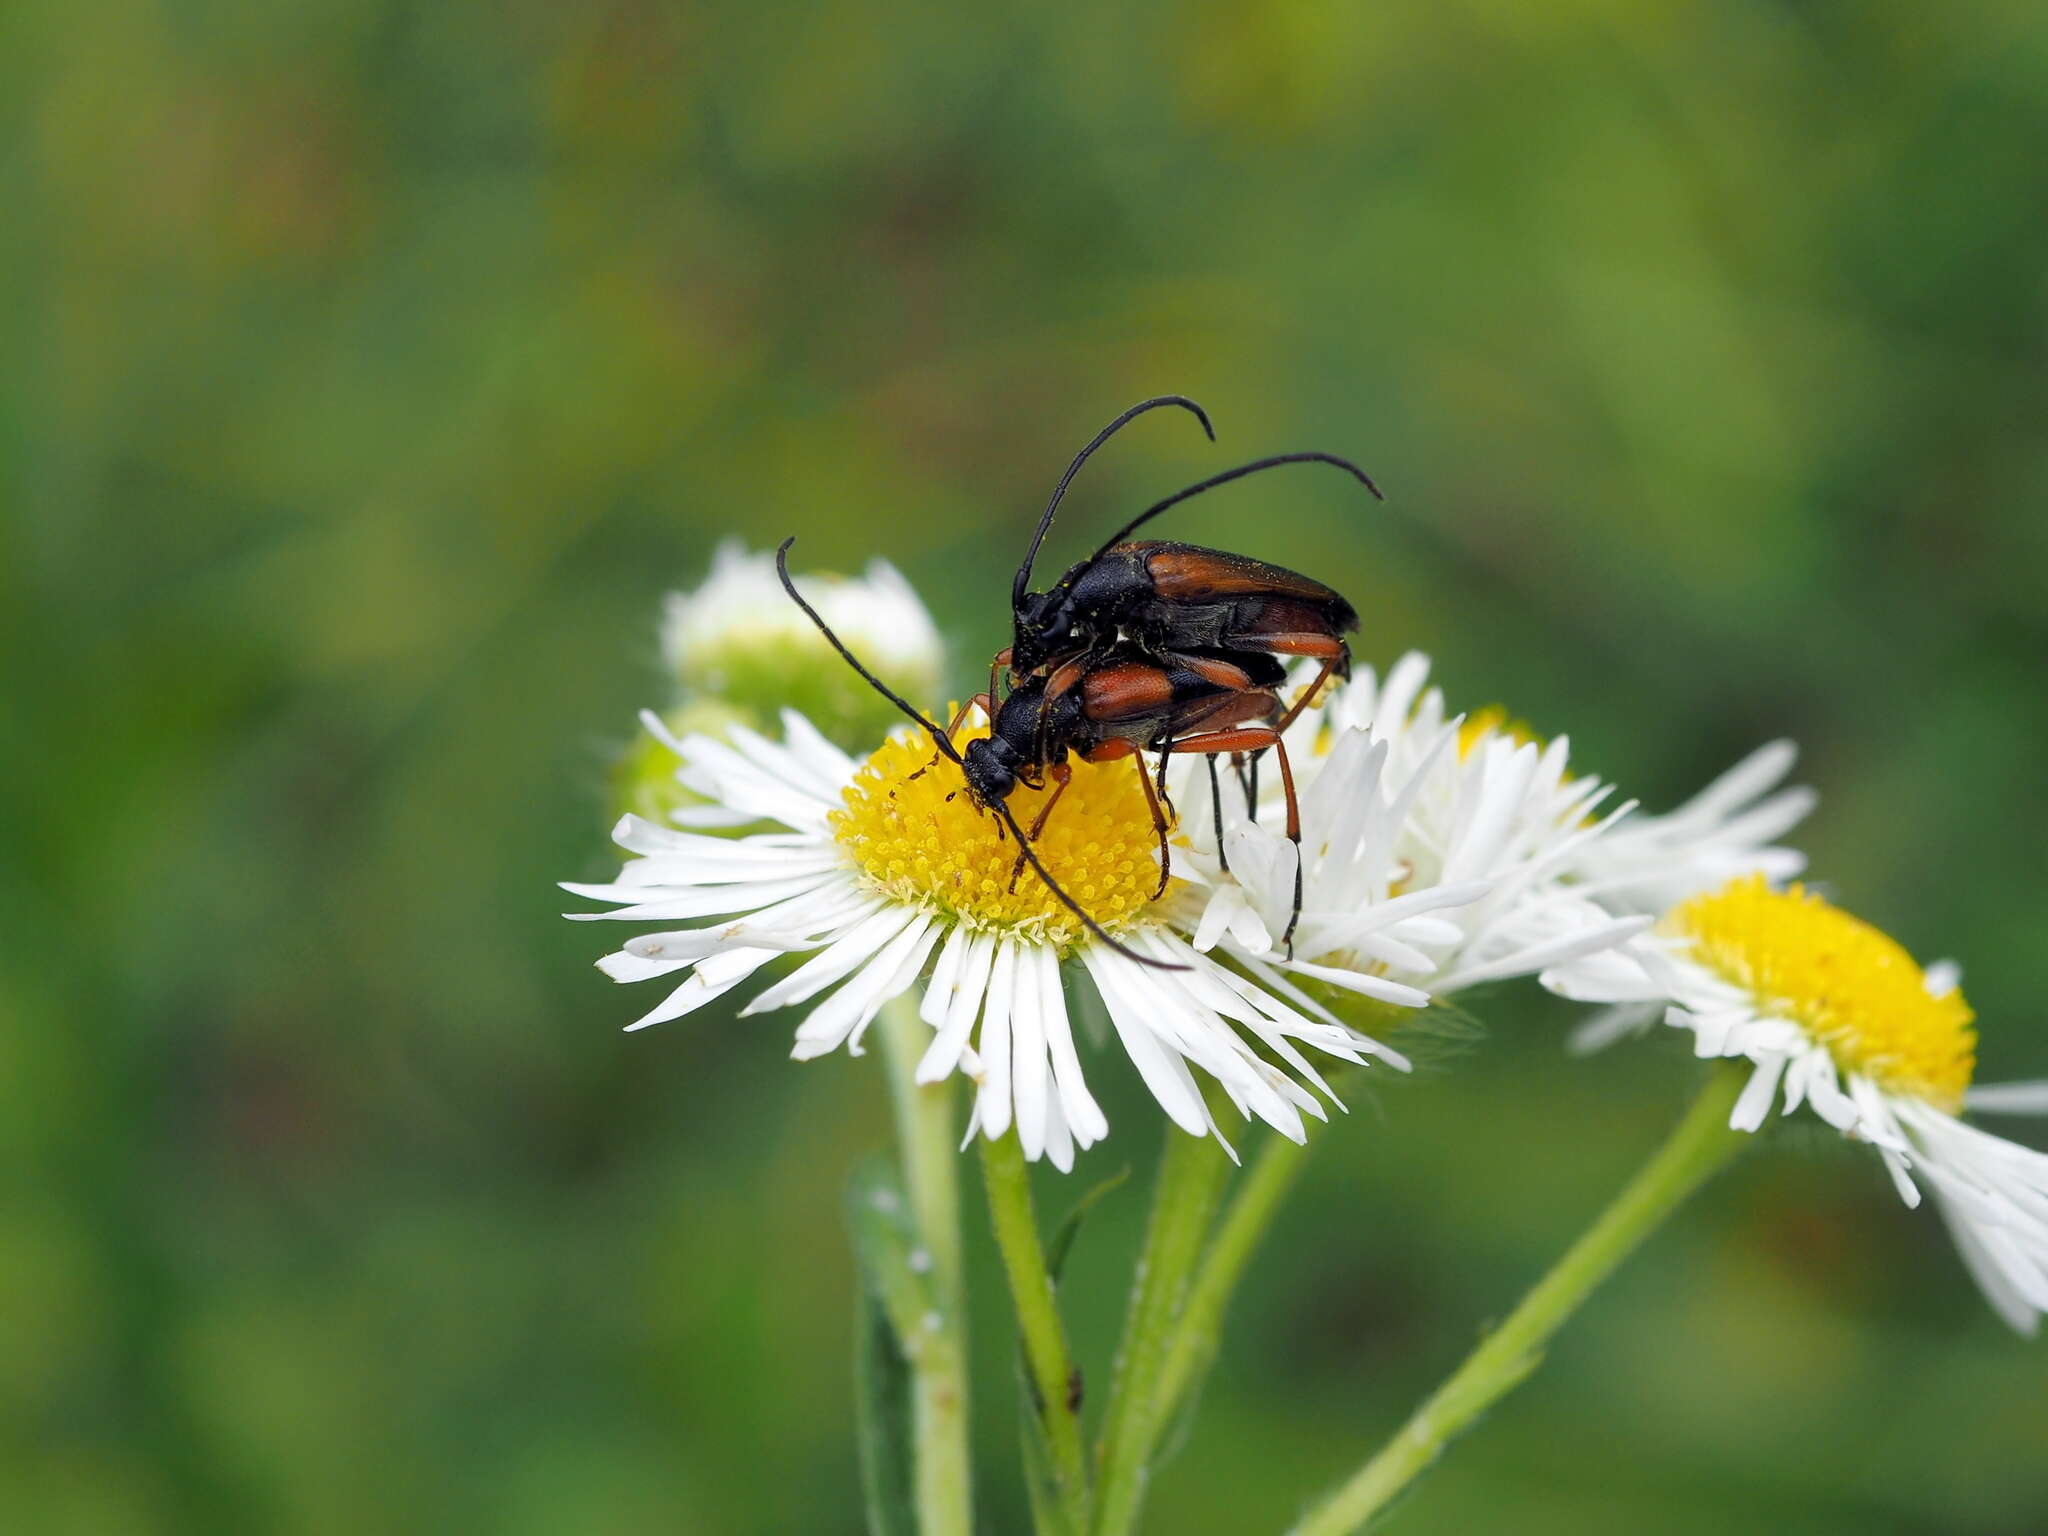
column 1640, row 863
column 1652, row 863
column 1435, row 849
column 738, row 639
column 1839, row 1017
column 883, row 866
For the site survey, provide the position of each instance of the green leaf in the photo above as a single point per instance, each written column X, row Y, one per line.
column 893, row 1267
column 882, row 1419
column 894, row 1298
column 1070, row 1228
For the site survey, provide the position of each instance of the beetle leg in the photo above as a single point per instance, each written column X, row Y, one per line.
column 1314, row 689
column 1216, row 805
column 1159, row 821
column 985, row 702
column 1256, row 739
column 1061, row 775
column 1165, row 752
column 1322, row 646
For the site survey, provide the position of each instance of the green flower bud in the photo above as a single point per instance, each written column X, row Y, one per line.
column 644, row 778
column 740, row 642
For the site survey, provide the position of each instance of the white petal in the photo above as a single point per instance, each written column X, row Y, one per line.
column 1165, row 1074
column 834, row 1021
column 1610, row 1025
column 712, row 979
column 1222, row 905
column 1756, row 773
column 2005, row 1297
column 839, row 959
column 969, row 985
column 1083, row 1114
column 1754, row 1103
column 1398, row 993
column 994, row 1099
column 1028, row 1074
column 938, row 993
column 824, row 759
column 1539, row 957
column 1902, row 1178
column 684, row 903
column 2010, row 1098
column 1059, row 1136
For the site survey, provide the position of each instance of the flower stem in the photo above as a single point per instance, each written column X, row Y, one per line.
column 1700, row 1146
column 1262, row 1190
column 1190, row 1177
column 1046, row 1354
column 938, row 1356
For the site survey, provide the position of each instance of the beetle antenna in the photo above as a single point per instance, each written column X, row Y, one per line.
column 1225, row 478
column 939, row 738
column 1023, row 579
column 1002, row 809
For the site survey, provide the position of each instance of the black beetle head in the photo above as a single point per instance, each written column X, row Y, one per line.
column 990, row 776
column 1045, row 629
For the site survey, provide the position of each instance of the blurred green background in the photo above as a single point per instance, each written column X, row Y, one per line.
column 370, row 371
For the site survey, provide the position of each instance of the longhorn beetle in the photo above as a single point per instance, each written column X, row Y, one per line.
column 1119, row 703
column 1170, row 597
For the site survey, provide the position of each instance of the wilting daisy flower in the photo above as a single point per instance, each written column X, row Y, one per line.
column 1436, row 850
column 1837, row 1018
column 879, row 868
column 739, row 639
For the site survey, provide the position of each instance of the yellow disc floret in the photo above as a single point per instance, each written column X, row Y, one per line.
column 1853, row 988
column 912, row 827
column 1491, row 721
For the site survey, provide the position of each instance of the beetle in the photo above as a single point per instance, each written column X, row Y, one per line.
column 1170, row 597
column 1119, row 702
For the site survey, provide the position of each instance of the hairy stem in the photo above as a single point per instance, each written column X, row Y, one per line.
column 1190, row 1177
column 937, row 1351
column 1701, row 1144
column 1046, row 1355
column 1261, row 1192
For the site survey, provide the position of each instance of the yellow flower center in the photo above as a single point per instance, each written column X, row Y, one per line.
column 1854, row 989
column 911, row 826
column 1494, row 720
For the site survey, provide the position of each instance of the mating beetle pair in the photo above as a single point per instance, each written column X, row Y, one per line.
column 1144, row 646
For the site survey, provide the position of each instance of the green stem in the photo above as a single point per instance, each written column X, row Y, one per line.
column 1046, row 1354
column 938, row 1351
column 1698, row 1148
column 1190, row 1176
column 1264, row 1187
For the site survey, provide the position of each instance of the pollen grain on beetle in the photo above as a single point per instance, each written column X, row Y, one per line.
column 910, row 825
